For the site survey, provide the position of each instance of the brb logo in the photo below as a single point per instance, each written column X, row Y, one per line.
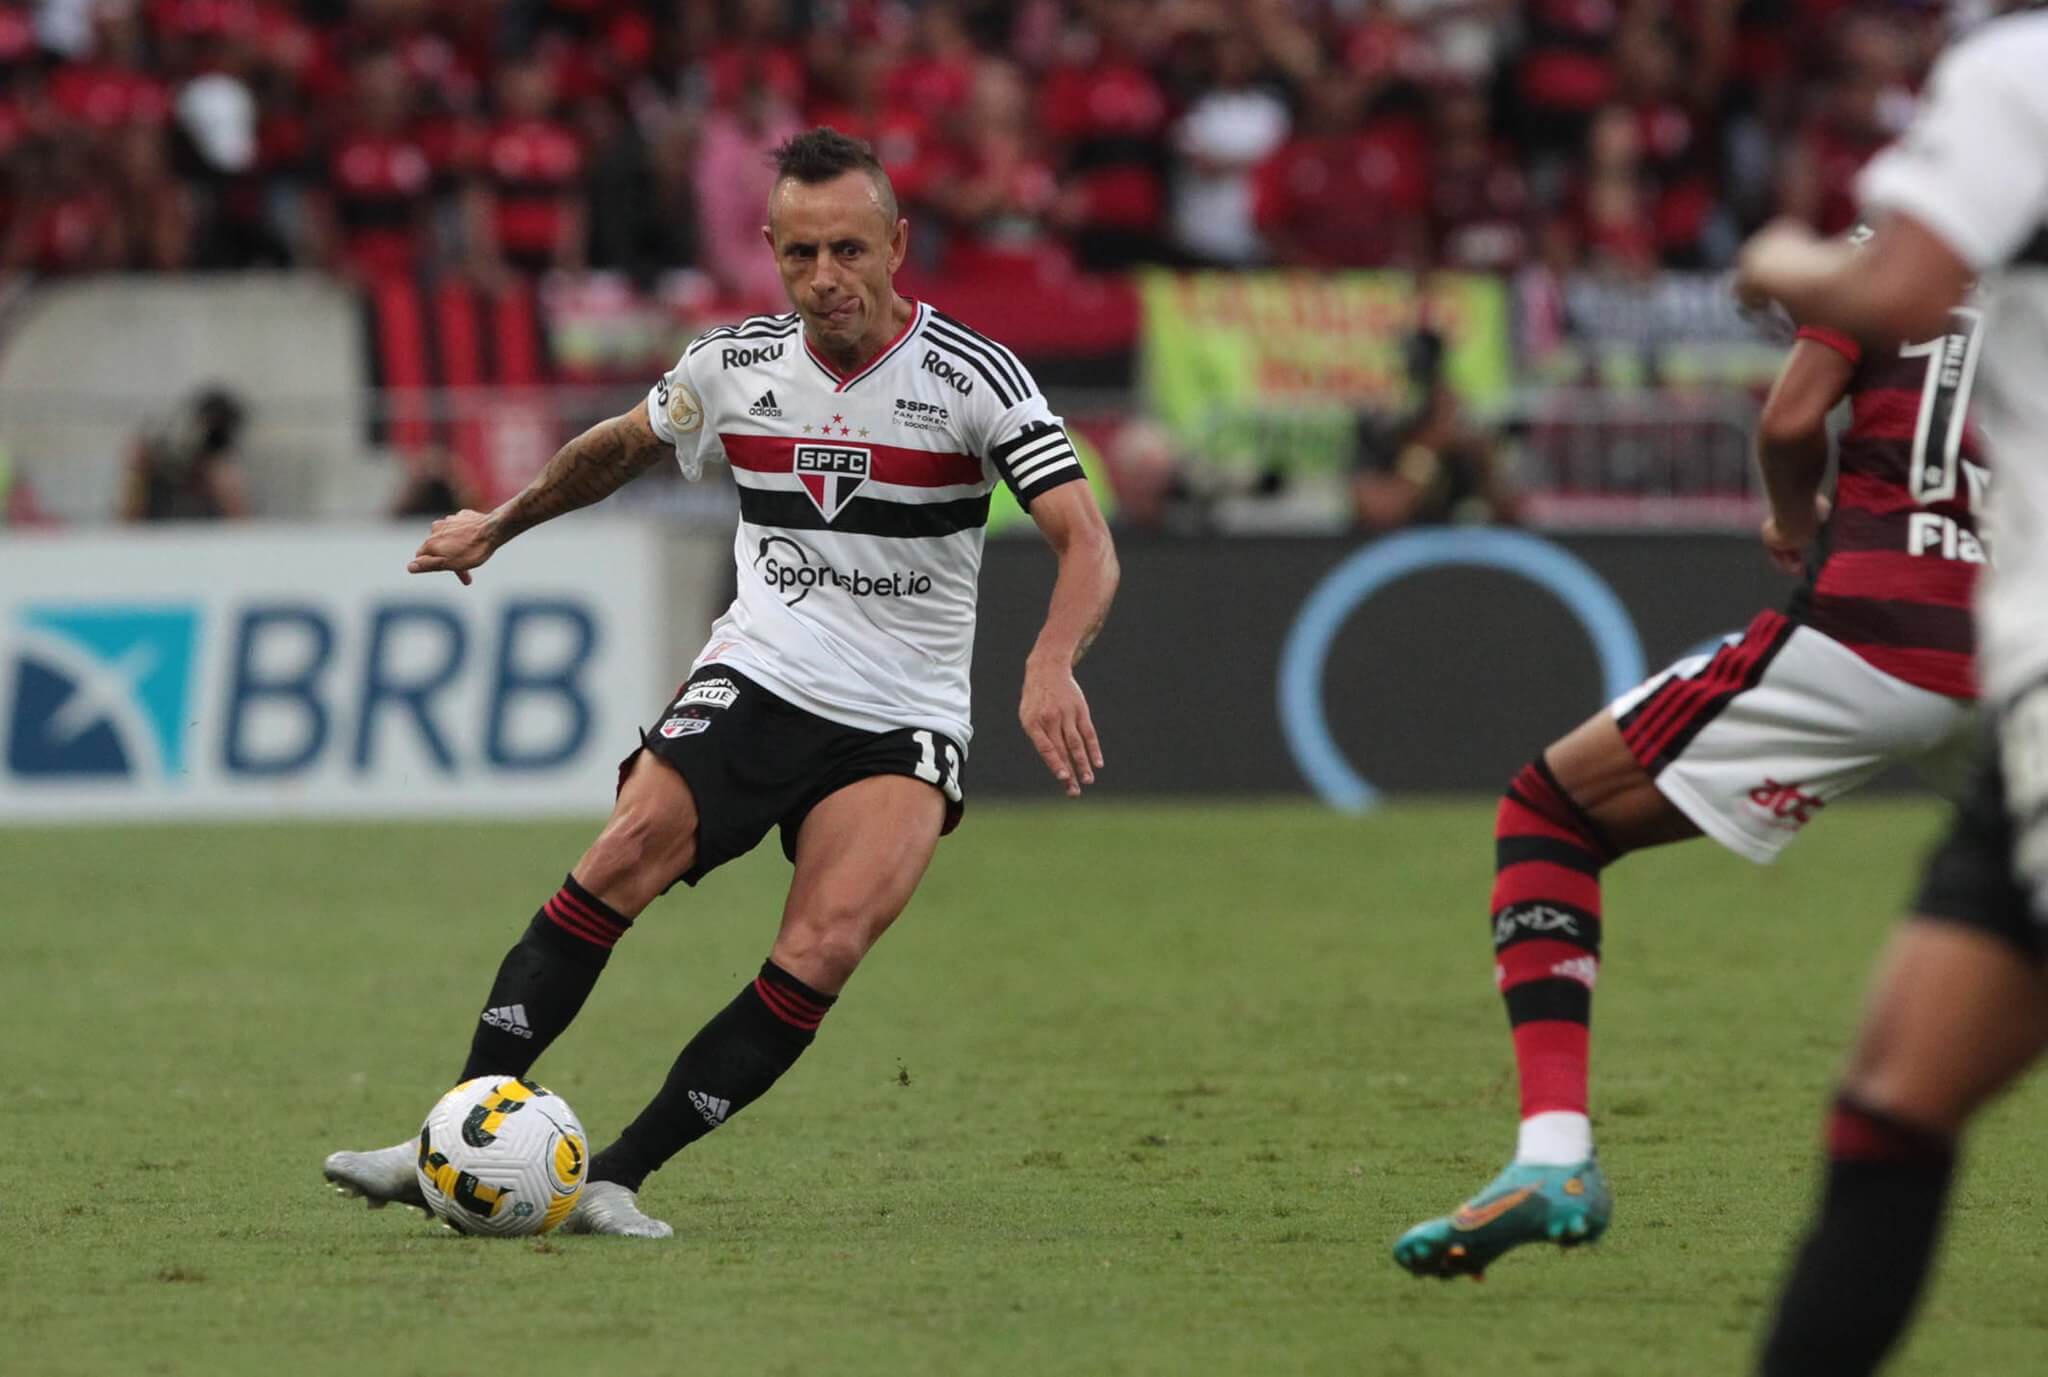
column 164, row 693
column 101, row 692
column 832, row 474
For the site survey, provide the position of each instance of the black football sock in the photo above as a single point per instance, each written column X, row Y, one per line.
column 729, row 1064
column 543, row 981
column 1855, row 1281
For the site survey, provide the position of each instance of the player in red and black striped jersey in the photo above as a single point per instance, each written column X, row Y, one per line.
column 1897, row 561
column 1870, row 666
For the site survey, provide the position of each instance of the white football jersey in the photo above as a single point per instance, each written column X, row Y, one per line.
column 863, row 504
column 1973, row 169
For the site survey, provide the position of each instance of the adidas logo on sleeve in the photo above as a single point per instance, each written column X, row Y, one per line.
column 511, row 1018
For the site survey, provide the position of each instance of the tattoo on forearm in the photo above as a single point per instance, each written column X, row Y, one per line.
column 588, row 469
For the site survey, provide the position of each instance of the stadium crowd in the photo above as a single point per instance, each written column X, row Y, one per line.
column 503, row 137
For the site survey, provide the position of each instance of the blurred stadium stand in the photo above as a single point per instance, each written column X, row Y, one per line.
column 428, row 237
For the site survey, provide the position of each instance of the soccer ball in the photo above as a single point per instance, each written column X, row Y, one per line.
column 501, row 1156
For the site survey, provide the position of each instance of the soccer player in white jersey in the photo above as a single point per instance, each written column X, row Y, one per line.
column 865, row 432
column 1960, row 1007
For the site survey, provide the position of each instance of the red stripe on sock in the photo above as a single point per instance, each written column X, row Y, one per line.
column 1534, row 882
column 785, row 1006
column 802, row 1003
column 1552, row 1058
column 569, row 922
column 1532, row 785
column 1518, row 819
column 1855, row 1135
column 590, row 915
column 1540, row 959
column 1535, row 791
column 565, row 919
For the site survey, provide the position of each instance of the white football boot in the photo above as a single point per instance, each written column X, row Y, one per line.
column 606, row 1207
column 383, row 1177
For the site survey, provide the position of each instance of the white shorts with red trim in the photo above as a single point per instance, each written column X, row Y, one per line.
column 1754, row 739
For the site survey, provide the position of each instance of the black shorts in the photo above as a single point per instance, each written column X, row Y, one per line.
column 754, row 761
column 1970, row 878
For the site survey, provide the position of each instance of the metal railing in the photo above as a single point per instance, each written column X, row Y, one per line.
column 1651, row 458
column 1581, row 457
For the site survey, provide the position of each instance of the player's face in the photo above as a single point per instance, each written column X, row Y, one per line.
column 837, row 250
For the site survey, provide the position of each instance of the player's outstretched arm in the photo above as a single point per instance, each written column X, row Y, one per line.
column 1792, row 447
column 1054, row 711
column 1901, row 285
column 589, row 468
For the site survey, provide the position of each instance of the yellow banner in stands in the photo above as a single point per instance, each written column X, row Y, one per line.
column 1265, row 369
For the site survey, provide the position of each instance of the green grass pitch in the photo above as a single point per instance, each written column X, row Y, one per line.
column 1129, row 1090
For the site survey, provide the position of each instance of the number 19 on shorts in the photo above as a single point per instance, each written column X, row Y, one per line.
column 928, row 769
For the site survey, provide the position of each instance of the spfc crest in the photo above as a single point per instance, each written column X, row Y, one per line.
column 831, row 474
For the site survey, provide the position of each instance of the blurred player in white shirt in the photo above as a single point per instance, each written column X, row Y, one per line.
column 1961, row 1005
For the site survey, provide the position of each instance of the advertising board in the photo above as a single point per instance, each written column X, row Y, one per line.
column 270, row 670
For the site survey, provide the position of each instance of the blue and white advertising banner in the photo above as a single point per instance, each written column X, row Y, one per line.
column 266, row 671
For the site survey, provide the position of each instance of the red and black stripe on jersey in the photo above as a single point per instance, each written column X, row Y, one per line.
column 1906, row 613
column 871, row 516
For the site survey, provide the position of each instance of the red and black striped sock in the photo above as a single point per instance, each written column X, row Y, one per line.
column 543, row 981
column 1548, row 855
column 1856, row 1279
column 726, row 1067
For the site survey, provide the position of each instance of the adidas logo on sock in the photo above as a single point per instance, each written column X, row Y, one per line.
column 711, row 1107
column 511, row 1018
column 764, row 405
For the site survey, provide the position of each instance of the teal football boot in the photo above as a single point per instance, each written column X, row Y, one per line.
column 1524, row 1204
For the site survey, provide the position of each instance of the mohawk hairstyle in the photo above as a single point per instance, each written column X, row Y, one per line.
column 821, row 154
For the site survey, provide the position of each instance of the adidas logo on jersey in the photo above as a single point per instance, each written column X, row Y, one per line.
column 764, row 405
column 511, row 1018
column 711, row 1107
